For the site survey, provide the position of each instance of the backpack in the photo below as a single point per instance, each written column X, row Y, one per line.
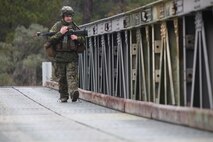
column 50, row 52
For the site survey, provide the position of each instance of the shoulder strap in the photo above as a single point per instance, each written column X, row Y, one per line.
column 76, row 25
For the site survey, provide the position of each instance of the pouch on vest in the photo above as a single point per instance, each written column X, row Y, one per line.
column 80, row 46
column 50, row 52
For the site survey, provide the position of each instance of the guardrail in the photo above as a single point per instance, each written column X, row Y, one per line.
column 157, row 53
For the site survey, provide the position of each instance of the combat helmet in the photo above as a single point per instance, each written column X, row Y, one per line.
column 67, row 10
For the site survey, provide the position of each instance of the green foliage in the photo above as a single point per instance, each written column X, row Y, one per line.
column 137, row 3
column 6, row 63
column 106, row 8
column 21, row 60
column 28, row 71
column 6, row 79
column 28, row 52
column 32, row 61
column 19, row 12
column 25, row 40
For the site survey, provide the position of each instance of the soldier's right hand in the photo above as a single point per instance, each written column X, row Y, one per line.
column 63, row 29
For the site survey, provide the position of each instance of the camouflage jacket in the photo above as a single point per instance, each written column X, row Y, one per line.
column 63, row 45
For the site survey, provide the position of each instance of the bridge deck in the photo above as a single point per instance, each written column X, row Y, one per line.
column 33, row 114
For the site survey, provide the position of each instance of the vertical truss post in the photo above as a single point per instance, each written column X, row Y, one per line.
column 153, row 64
column 165, row 67
column 142, row 76
column 114, row 66
column 121, row 64
column 87, row 69
column 126, row 60
column 176, row 28
column 201, row 48
column 100, row 65
column 170, row 68
column 91, row 60
column 105, row 67
column 109, row 57
column 184, row 60
column 148, row 64
column 95, row 64
column 81, row 71
column 206, row 62
column 133, row 64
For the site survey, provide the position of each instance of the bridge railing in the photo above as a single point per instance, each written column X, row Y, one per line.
column 157, row 53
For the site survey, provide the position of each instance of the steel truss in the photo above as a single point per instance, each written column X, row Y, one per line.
column 158, row 53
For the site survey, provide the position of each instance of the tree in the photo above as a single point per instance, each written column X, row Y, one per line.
column 26, row 42
column 87, row 11
column 27, row 55
column 6, row 63
column 14, row 13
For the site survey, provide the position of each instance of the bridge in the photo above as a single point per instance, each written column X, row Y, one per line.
column 146, row 74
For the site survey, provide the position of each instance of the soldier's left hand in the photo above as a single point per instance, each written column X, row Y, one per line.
column 74, row 37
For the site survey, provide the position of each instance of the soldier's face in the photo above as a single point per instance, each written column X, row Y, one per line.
column 68, row 18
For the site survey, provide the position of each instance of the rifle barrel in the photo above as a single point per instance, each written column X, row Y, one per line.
column 70, row 32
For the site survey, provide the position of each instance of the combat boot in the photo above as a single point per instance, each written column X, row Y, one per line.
column 74, row 96
column 63, row 98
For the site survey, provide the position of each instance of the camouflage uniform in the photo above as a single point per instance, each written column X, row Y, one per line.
column 66, row 61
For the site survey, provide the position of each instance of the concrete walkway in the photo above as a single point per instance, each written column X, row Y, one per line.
column 32, row 114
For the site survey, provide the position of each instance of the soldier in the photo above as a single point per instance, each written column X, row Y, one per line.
column 66, row 57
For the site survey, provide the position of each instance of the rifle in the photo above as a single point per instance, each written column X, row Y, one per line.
column 48, row 45
column 69, row 32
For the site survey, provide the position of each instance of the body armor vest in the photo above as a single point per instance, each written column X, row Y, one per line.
column 65, row 43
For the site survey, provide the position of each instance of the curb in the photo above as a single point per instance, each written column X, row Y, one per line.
column 186, row 116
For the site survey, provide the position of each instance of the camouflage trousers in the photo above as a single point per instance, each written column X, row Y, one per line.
column 67, row 76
